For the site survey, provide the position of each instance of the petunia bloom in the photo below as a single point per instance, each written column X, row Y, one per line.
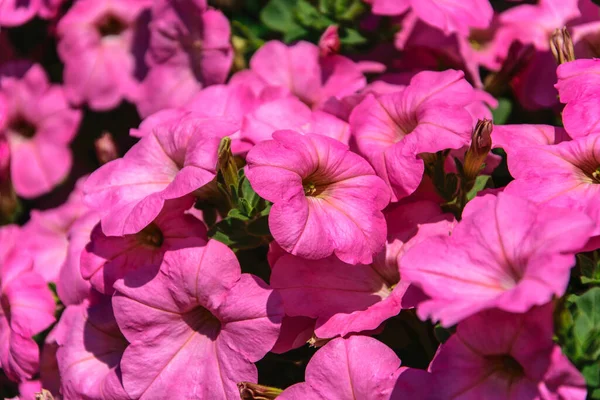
column 300, row 70
column 175, row 159
column 27, row 309
column 39, row 126
column 507, row 253
column 359, row 367
column 90, row 352
column 108, row 258
column 209, row 321
column 326, row 198
column 354, row 298
column 101, row 43
column 189, row 49
column 499, row 355
column 16, row 12
column 430, row 115
column 449, row 17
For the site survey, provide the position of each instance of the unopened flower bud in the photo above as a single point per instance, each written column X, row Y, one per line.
column 106, row 149
column 227, row 164
column 481, row 144
column 561, row 45
column 254, row 391
column 329, row 43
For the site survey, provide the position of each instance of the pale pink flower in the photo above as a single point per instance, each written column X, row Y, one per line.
column 44, row 236
column 498, row 355
column 326, row 198
column 27, row 309
column 189, row 49
column 507, row 253
column 90, row 353
column 354, row 298
column 302, row 72
column 561, row 175
column 430, row 115
column 173, row 161
column 449, row 16
column 101, row 43
column 359, row 367
column 291, row 113
column 209, row 321
column 108, row 258
column 39, row 126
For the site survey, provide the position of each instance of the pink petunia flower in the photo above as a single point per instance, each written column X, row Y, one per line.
column 507, row 253
column 209, row 321
column 176, row 159
column 354, row 298
column 44, row 236
column 326, row 198
column 300, row 70
column 18, row 12
column 498, row 355
column 90, row 353
column 359, row 367
column 101, row 43
column 27, row 309
column 430, row 115
column 189, row 49
column 562, row 175
column 108, row 258
column 291, row 113
column 448, row 16
column 510, row 137
column 39, row 126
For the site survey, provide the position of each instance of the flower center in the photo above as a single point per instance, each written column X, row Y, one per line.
column 203, row 321
column 150, row 236
column 591, row 170
column 111, row 25
column 479, row 39
column 22, row 127
column 506, row 365
column 596, row 175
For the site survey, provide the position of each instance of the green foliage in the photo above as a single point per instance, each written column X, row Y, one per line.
column 589, row 268
column 501, row 113
column 481, row 182
column 577, row 321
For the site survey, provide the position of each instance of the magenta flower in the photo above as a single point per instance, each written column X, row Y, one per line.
column 295, row 332
column 430, row 115
column 72, row 289
column 18, row 12
column 562, row 175
column 108, row 258
column 44, row 236
column 359, row 367
column 189, row 49
column 39, row 126
column 171, row 162
column 27, row 309
column 291, row 113
column 507, row 253
column 299, row 70
column 499, row 355
column 326, row 198
column 209, row 321
column 448, row 16
column 101, row 43
column 510, row 137
column 354, row 298
column 90, row 353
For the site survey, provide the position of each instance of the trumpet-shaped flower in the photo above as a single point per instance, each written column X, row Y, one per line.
column 430, row 115
column 326, row 198
column 499, row 355
column 507, row 253
column 108, row 258
column 175, row 159
column 196, row 327
column 39, row 126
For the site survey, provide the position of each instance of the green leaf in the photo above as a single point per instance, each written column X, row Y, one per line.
column 589, row 269
column 249, row 194
column 481, row 183
column 595, row 394
column 259, row 227
column 278, row 15
column 591, row 372
column 352, row 37
column 237, row 214
column 307, row 15
column 502, row 112
column 441, row 334
column 586, row 327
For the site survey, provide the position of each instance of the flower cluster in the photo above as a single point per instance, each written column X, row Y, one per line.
column 355, row 199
